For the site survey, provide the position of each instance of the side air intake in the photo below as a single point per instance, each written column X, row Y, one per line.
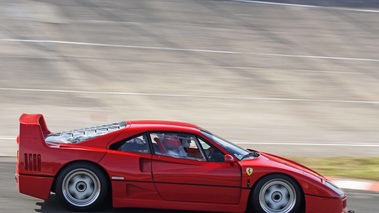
column 32, row 162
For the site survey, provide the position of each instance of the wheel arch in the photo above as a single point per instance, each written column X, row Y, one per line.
column 302, row 208
column 109, row 193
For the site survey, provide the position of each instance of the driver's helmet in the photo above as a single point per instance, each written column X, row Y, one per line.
column 172, row 142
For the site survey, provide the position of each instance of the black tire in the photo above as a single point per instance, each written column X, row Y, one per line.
column 276, row 193
column 81, row 187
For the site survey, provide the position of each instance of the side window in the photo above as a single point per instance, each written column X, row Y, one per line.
column 212, row 153
column 135, row 144
column 177, row 145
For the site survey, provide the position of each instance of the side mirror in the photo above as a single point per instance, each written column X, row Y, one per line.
column 229, row 159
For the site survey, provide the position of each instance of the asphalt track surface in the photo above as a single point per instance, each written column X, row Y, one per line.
column 293, row 78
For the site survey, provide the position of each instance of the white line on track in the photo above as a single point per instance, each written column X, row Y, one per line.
column 192, row 96
column 308, row 6
column 7, row 138
column 353, row 184
column 189, row 50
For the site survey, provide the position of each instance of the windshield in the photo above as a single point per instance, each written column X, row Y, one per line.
column 233, row 149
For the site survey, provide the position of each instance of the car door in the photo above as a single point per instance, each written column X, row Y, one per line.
column 128, row 162
column 189, row 176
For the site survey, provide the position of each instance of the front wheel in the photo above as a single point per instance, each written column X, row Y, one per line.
column 81, row 187
column 277, row 194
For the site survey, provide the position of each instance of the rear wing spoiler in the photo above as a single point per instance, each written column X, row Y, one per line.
column 33, row 120
column 33, row 131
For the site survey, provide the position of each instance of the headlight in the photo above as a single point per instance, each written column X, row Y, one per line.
column 334, row 188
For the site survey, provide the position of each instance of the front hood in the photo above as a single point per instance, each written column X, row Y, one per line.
column 283, row 161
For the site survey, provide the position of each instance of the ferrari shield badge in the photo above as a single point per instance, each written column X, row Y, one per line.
column 249, row 171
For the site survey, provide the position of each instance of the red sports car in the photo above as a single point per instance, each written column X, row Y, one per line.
column 163, row 164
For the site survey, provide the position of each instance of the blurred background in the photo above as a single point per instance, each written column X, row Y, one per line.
column 296, row 78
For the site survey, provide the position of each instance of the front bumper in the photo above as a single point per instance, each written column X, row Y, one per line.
column 316, row 204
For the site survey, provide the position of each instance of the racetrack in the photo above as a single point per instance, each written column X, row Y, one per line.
column 296, row 80
column 289, row 79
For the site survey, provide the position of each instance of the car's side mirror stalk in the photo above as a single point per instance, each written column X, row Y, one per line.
column 229, row 159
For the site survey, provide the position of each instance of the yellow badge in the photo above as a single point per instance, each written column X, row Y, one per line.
column 249, row 171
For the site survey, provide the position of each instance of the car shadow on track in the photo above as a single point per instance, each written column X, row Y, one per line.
column 53, row 206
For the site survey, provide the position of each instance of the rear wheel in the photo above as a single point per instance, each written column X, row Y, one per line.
column 81, row 187
column 276, row 194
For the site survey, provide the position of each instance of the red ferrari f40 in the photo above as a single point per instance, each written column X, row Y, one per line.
column 163, row 165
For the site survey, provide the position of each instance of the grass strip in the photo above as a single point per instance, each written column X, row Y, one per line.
column 349, row 167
